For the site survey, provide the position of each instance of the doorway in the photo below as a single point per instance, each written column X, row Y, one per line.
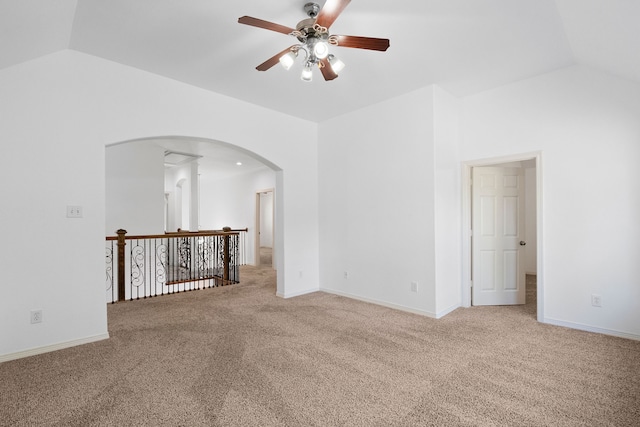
column 218, row 161
column 265, row 224
column 530, row 169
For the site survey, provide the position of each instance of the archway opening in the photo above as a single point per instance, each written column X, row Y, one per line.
column 159, row 184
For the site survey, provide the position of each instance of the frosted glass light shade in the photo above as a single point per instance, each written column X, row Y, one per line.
column 287, row 60
column 336, row 64
column 307, row 74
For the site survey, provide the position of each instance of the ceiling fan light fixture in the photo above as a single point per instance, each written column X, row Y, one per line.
column 315, row 40
column 287, row 60
column 307, row 73
column 336, row 64
column 321, row 49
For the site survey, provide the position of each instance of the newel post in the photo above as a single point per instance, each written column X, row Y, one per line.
column 227, row 255
column 121, row 245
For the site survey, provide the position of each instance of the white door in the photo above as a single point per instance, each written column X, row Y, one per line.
column 498, row 226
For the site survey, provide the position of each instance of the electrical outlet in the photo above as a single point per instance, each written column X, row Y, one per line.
column 414, row 286
column 74, row 211
column 36, row 316
column 596, row 300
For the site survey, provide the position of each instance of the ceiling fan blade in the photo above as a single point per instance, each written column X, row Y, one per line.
column 255, row 22
column 370, row 43
column 330, row 12
column 273, row 60
column 327, row 70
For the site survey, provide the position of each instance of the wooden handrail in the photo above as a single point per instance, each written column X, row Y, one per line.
column 180, row 234
column 226, row 229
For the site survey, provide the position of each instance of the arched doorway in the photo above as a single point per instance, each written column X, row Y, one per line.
column 211, row 186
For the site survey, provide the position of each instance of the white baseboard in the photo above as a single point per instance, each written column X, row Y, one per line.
column 382, row 303
column 52, row 347
column 296, row 294
column 590, row 328
column 446, row 311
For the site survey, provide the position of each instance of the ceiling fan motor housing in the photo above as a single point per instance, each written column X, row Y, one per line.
column 307, row 29
column 312, row 9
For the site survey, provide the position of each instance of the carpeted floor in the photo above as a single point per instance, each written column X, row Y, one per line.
column 266, row 256
column 240, row 356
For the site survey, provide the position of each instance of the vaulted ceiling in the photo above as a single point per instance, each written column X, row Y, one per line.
column 465, row 46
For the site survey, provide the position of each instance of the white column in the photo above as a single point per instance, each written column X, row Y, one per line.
column 194, row 220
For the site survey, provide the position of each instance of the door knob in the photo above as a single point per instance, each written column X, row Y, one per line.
column 522, row 243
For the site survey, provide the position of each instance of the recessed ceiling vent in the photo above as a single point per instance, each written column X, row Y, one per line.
column 174, row 158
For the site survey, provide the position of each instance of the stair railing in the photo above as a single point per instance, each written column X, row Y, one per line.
column 150, row 265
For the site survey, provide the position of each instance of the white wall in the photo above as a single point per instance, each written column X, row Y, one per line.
column 266, row 219
column 232, row 202
column 58, row 112
column 53, row 263
column 376, row 203
column 134, row 189
column 390, row 209
column 447, row 202
column 586, row 125
column 178, row 183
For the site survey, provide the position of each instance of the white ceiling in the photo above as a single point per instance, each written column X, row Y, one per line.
column 217, row 160
column 465, row 46
column 604, row 34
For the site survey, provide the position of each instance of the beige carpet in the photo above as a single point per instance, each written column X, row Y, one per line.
column 266, row 256
column 240, row 356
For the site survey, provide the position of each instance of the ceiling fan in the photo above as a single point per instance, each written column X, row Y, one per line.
column 313, row 35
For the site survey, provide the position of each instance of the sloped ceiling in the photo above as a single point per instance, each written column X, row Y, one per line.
column 32, row 28
column 465, row 46
column 604, row 34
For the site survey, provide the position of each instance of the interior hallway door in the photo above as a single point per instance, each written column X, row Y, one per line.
column 498, row 224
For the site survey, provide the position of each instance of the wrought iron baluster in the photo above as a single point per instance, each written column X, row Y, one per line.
column 109, row 270
column 170, row 264
column 137, row 267
column 162, row 265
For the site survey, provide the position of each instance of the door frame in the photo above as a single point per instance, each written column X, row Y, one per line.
column 466, row 224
